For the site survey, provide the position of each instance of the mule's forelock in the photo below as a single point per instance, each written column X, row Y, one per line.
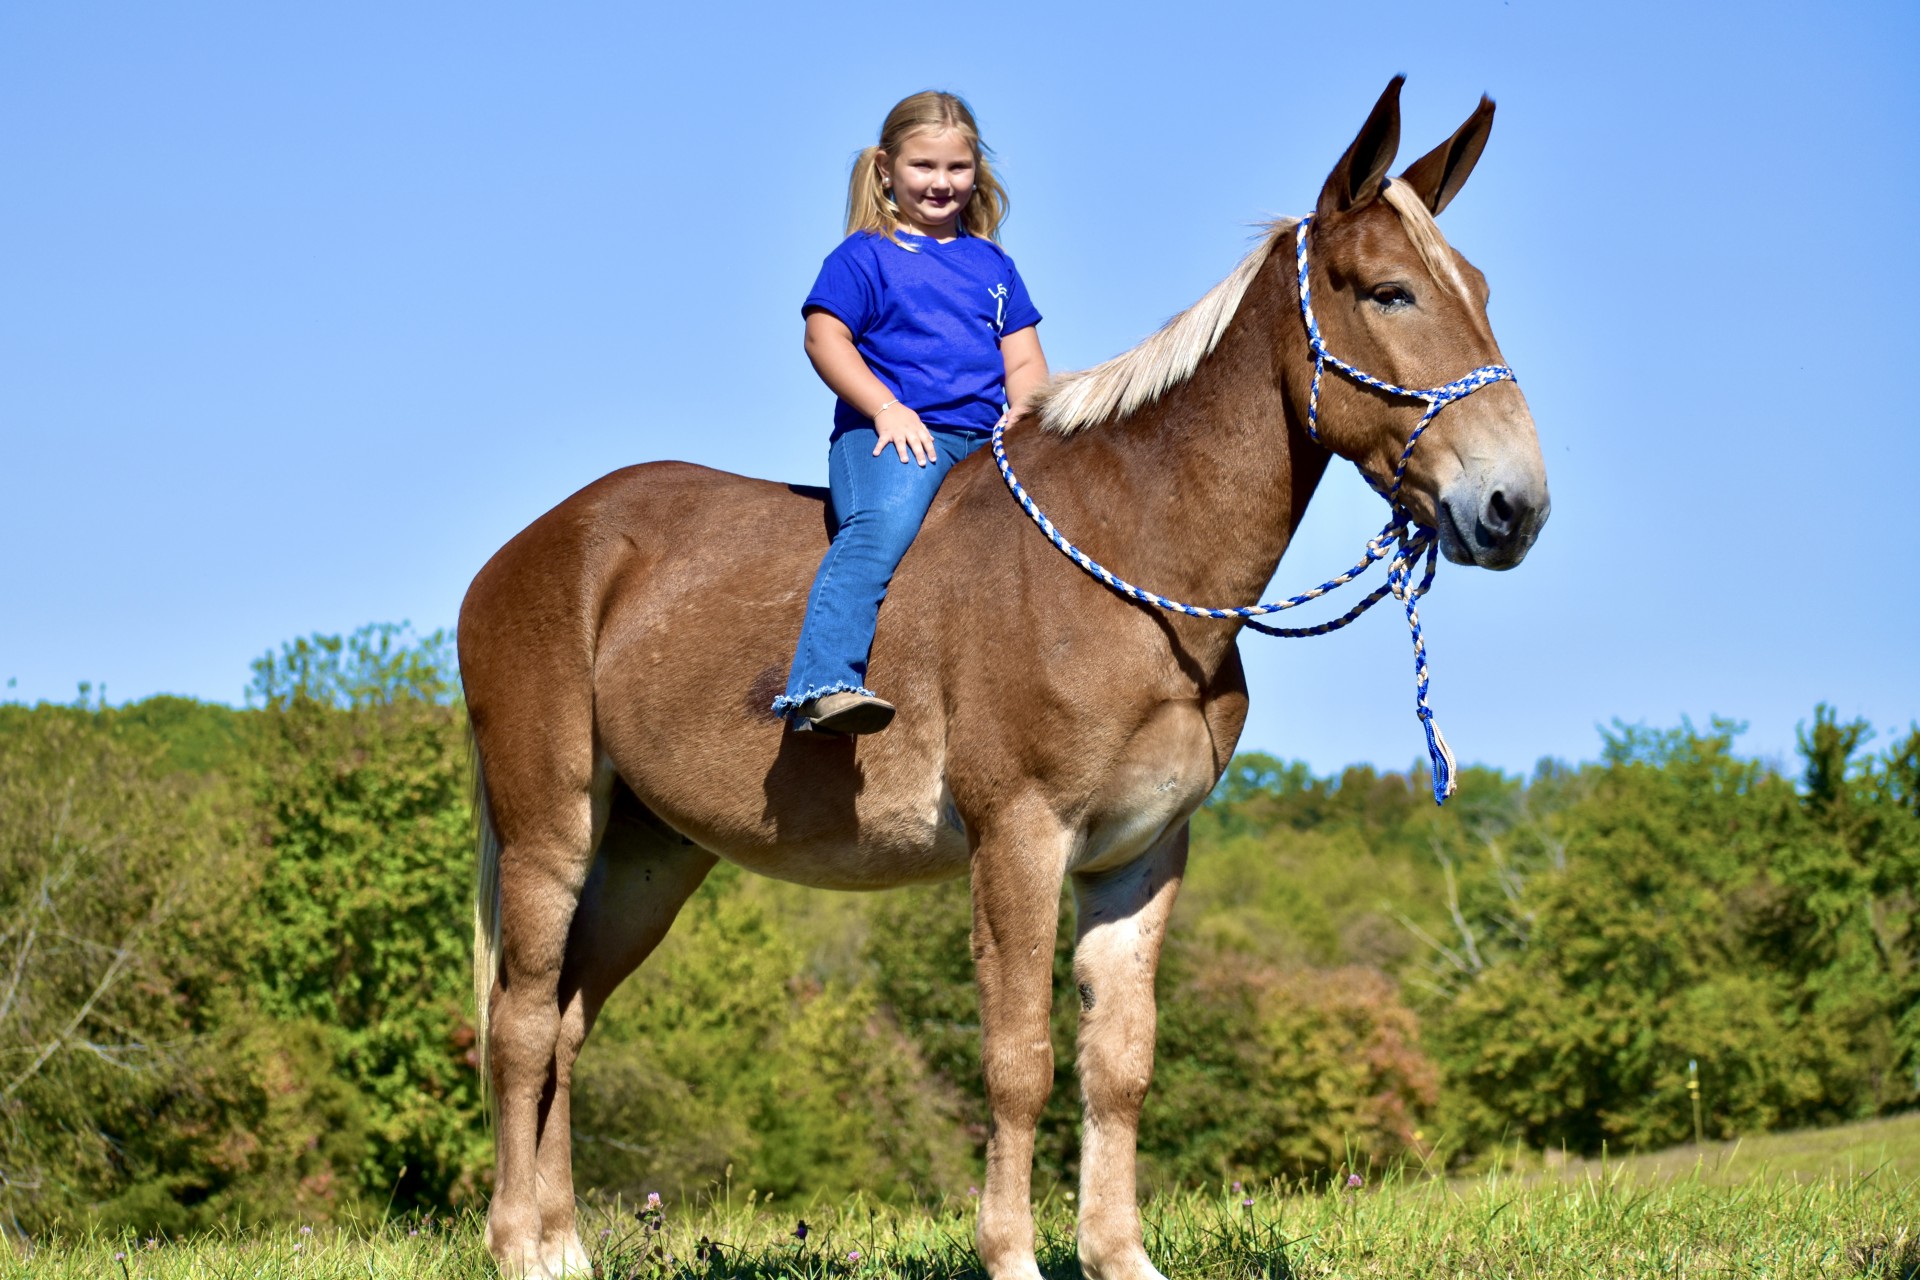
column 1134, row 379
column 1432, row 246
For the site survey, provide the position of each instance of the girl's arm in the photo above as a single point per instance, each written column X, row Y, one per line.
column 1026, row 367
column 830, row 348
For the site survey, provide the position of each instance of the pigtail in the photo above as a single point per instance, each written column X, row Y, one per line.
column 988, row 205
column 869, row 207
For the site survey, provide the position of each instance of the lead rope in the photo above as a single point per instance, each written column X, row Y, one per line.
column 1401, row 542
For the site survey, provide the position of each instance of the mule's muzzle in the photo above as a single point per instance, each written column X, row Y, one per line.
column 1492, row 526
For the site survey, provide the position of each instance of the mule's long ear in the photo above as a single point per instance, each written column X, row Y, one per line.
column 1356, row 179
column 1437, row 176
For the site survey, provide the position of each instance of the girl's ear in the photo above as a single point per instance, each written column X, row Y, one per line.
column 1438, row 176
column 883, row 165
column 1355, row 181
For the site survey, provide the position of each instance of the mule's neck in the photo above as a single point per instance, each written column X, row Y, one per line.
column 1197, row 495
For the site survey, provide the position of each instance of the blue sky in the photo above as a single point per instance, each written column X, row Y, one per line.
column 304, row 311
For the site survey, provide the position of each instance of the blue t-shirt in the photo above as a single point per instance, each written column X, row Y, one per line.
column 928, row 324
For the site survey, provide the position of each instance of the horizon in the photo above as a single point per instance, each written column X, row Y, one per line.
column 308, row 313
column 93, row 698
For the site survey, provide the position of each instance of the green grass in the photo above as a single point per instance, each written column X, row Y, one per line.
column 1841, row 1202
column 1891, row 1145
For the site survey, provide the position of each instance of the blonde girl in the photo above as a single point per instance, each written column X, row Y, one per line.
column 922, row 327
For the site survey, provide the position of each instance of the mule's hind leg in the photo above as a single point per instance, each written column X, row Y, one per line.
column 641, row 876
column 541, row 797
column 1122, row 920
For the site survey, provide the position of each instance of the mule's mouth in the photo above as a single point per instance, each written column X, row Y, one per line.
column 1453, row 544
column 1499, row 539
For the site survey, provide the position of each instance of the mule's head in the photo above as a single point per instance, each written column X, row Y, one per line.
column 1394, row 299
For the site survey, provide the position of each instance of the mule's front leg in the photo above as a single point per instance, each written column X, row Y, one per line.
column 1122, row 921
column 1017, row 869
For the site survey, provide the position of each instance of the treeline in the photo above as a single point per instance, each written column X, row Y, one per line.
column 234, row 970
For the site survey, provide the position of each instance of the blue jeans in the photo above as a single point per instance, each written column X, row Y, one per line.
column 878, row 504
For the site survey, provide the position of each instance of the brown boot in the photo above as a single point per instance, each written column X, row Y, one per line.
column 847, row 713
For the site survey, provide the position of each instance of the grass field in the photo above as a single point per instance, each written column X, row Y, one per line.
column 1838, row 1202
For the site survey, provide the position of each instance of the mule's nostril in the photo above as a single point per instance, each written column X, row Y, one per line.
column 1499, row 511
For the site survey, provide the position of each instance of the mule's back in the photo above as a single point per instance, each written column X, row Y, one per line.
column 647, row 623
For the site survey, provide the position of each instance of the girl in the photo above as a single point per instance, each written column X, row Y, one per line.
column 922, row 328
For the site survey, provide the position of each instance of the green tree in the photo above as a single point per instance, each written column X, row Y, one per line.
column 136, row 1086
column 359, row 789
column 1704, row 910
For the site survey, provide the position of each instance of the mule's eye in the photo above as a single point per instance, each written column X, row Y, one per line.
column 1391, row 297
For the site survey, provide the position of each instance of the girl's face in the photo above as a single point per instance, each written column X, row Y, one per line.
column 932, row 178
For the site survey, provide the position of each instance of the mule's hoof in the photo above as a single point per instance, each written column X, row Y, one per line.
column 1128, row 1266
column 566, row 1256
column 1013, row 1268
column 520, row 1264
column 847, row 713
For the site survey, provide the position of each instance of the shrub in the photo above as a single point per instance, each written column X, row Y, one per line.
column 360, row 794
column 136, row 1088
column 1266, row 1072
column 1704, row 911
column 718, row 1053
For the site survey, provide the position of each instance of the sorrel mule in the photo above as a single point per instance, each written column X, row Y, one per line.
column 620, row 655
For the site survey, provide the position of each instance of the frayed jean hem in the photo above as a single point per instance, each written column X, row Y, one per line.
column 788, row 703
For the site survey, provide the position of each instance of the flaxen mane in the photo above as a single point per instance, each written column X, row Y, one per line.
column 1134, row 379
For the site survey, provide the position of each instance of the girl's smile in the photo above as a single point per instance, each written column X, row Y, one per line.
column 931, row 180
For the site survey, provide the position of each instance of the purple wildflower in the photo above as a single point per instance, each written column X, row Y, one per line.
column 653, row 1199
column 1247, row 1203
column 854, row 1256
column 800, row 1232
column 1236, row 1186
column 1354, row 1180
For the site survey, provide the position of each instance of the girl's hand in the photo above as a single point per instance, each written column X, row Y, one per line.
column 901, row 427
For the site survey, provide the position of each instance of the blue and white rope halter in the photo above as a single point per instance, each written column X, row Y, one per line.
column 1413, row 541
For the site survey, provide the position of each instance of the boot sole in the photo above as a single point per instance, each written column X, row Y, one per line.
column 867, row 717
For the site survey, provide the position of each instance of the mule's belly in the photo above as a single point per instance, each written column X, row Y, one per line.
column 836, row 814
column 883, row 846
column 830, row 814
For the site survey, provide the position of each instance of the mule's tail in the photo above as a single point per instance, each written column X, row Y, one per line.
column 486, row 919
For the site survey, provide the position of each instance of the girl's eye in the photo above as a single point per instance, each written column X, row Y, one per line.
column 1391, row 297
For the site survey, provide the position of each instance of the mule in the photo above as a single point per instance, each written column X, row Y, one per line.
column 620, row 656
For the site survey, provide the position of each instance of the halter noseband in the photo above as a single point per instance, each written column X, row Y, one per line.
column 1437, row 398
column 1401, row 538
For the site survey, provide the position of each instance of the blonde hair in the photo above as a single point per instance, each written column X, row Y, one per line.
column 871, row 208
column 1136, row 378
